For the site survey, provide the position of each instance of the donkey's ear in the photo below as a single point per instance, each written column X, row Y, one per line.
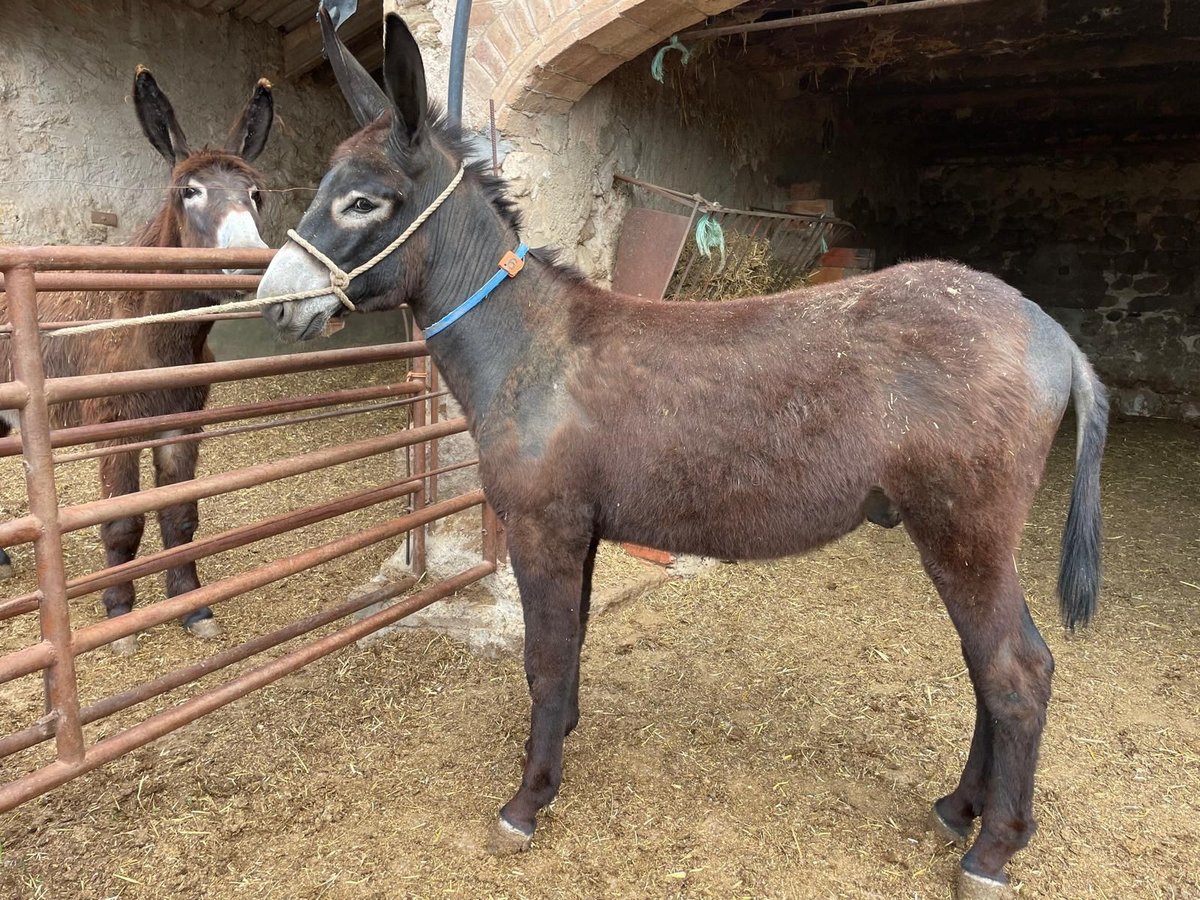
column 157, row 117
column 367, row 99
column 404, row 75
column 250, row 133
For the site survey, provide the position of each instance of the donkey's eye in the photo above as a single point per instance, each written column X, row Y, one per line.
column 362, row 205
column 190, row 192
column 256, row 197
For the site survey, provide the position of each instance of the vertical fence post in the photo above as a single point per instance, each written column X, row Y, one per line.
column 62, row 694
column 433, row 386
column 494, row 549
column 420, row 457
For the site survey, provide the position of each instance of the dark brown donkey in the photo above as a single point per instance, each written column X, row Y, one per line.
column 928, row 393
column 214, row 200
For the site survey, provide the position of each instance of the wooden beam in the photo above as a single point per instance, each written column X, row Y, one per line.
column 1164, row 89
column 302, row 48
column 293, row 14
column 841, row 15
column 259, row 10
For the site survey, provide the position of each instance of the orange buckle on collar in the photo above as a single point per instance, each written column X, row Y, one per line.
column 511, row 263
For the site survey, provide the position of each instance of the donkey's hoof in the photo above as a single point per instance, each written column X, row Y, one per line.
column 126, row 646
column 977, row 887
column 944, row 831
column 209, row 629
column 505, row 839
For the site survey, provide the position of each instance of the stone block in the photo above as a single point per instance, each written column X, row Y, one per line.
column 584, row 63
column 555, row 84
column 491, row 59
column 542, row 13
column 622, row 37
column 534, row 102
column 505, row 41
column 664, row 18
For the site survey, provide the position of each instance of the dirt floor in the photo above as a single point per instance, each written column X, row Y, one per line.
column 773, row 730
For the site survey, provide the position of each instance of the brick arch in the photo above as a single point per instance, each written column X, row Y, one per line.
column 543, row 55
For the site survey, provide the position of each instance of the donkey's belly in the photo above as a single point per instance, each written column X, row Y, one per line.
column 749, row 524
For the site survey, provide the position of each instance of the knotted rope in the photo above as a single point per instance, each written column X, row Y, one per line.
column 339, row 280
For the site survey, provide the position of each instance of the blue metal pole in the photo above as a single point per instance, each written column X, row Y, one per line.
column 458, row 60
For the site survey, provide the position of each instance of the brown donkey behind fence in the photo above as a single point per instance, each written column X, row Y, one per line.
column 927, row 393
column 214, row 200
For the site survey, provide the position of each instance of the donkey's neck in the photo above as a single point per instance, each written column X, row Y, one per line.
column 479, row 352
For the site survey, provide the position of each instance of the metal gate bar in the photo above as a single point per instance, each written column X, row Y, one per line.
column 86, row 434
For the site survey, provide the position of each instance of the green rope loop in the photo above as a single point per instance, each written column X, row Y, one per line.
column 656, row 67
column 710, row 236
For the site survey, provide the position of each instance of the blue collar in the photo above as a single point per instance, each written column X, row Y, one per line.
column 510, row 264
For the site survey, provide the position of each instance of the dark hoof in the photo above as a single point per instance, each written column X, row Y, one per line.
column 207, row 629
column 977, row 887
column 506, row 839
column 126, row 646
column 944, row 831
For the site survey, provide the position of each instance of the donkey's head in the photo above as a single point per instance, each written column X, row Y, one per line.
column 380, row 181
column 215, row 197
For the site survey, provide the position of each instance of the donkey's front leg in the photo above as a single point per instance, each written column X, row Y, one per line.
column 548, row 561
column 174, row 463
column 121, row 538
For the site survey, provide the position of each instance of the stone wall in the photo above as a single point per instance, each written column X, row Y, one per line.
column 707, row 129
column 1109, row 249
column 71, row 144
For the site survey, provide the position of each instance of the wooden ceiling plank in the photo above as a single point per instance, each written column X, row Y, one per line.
column 254, row 10
column 302, row 48
column 292, row 14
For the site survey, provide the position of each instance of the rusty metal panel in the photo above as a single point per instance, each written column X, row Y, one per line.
column 647, row 252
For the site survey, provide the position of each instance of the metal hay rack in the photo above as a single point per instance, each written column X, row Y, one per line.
column 720, row 244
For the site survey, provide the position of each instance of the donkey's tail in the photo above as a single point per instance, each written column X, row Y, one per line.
column 1079, row 577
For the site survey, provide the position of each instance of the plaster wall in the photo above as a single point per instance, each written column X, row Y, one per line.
column 71, row 143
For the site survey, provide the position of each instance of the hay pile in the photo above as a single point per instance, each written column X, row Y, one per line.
column 750, row 270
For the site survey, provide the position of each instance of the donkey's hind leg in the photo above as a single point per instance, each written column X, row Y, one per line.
column 585, row 608
column 1010, row 668
column 174, row 463
column 121, row 538
column 548, row 559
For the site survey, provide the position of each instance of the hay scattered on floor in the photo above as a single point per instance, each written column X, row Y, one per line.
column 768, row 730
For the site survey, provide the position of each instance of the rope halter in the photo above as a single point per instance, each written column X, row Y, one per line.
column 339, row 280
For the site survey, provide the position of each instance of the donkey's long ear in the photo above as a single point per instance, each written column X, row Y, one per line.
column 250, row 133
column 157, row 117
column 367, row 99
column 404, row 75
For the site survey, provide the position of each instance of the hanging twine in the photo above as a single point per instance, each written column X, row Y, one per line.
column 656, row 66
column 710, row 236
column 339, row 280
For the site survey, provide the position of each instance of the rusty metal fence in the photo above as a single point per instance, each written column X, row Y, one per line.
column 28, row 271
